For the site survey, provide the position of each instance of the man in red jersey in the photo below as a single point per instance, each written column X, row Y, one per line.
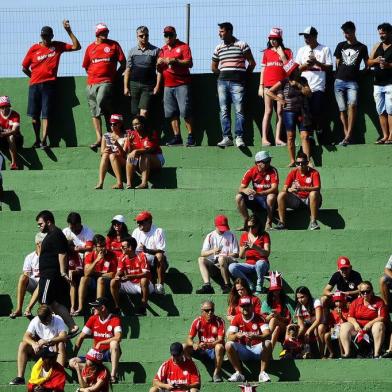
column 10, row 129
column 248, row 340
column 301, row 189
column 177, row 374
column 133, row 275
column 174, row 62
column 265, row 181
column 106, row 331
column 210, row 330
column 100, row 267
column 100, row 62
column 40, row 65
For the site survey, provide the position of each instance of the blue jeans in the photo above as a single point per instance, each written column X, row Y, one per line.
column 346, row 93
column 231, row 92
column 245, row 271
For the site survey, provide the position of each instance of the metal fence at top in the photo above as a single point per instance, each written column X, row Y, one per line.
column 252, row 20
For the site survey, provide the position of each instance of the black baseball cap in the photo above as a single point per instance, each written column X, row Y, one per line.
column 100, row 302
column 176, row 349
column 48, row 352
column 47, row 30
column 310, row 30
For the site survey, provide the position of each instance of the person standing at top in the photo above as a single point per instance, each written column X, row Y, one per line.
column 315, row 61
column 100, row 62
column 40, row 65
column 274, row 57
column 140, row 77
column 381, row 61
column 232, row 61
column 349, row 55
column 174, row 63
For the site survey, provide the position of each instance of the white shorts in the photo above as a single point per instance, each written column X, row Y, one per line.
column 134, row 288
column 32, row 285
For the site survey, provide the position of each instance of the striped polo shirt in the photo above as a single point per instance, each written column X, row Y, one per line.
column 231, row 59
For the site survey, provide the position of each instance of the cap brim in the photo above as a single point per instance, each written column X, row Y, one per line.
column 274, row 288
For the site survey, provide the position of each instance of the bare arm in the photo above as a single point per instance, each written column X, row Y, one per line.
column 214, row 67
column 75, row 41
column 251, row 61
column 78, row 343
column 115, row 338
column 354, row 322
column 328, row 290
column 316, row 322
column 272, row 93
column 127, row 75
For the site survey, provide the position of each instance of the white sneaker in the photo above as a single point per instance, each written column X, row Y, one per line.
column 237, row 377
column 264, row 377
column 239, row 142
column 225, row 142
column 159, row 289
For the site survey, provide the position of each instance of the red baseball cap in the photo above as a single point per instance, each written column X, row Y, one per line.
column 5, row 101
column 290, row 67
column 144, row 215
column 275, row 281
column 275, row 32
column 339, row 296
column 222, row 223
column 343, row 262
column 100, row 28
column 94, row 356
column 169, row 29
column 244, row 301
column 116, row 118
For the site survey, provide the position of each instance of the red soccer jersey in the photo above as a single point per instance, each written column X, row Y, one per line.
column 302, row 311
column 100, row 61
column 91, row 376
column 74, row 261
column 6, row 123
column 365, row 313
column 106, row 265
column 114, row 245
column 261, row 180
column 273, row 66
column 102, row 329
column 252, row 255
column 133, row 266
column 335, row 318
column 293, row 345
column 233, row 311
column 184, row 372
column 255, row 325
column 207, row 331
column 175, row 74
column 310, row 179
column 147, row 142
column 44, row 61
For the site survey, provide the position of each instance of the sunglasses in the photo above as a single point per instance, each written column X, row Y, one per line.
column 365, row 292
column 208, row 310
column 114, row 124
column 265, row 161
column 302, row 163
column 168, row 35
column 142, row 35
column 116, row 223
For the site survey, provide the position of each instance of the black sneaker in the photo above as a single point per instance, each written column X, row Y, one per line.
column 176, row 141
column 387, row 354
column 226, row 289
column 191, row 141
column 141, row 311
column 206, row 289
column 18, row 381
column 280, row 226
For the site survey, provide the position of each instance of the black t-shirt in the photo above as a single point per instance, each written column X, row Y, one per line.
column 350, row 284
column 53, row 244
column 350, row 57
column 383, row 76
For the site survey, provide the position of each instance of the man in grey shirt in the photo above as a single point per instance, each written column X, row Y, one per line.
column 141, row 81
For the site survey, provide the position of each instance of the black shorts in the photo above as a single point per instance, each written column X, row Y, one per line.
column 18, row 141
column 53, row 290
column 41, row 99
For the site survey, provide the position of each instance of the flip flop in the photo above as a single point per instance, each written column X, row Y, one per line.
column 388, row 142
column 14, row 315
column 117, row 186
column 129, row 187
column 268, row 144
column 142, row 186
column 381, row 141
column 28, row 314
column 95, row 146
column 99, row 186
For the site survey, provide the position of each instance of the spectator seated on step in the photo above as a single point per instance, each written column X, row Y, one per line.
column 255, row 247
column 241, row 289
column 151, row 241
column 47, row 374
column 117, row 231
column 367, row 320
column 220, row 249
column 100, row 267
column 177, row 374
column 293, row 346
column 105, row 329
column 28, row 281
column 93, row 375
column 248, row 340
column 300, row 190
column 265, row 181
column 133, row 276
column 10, row 135
column 210, row 332
column 44, row 330
column 144, row 153
column 386, row 283
column 309, row 313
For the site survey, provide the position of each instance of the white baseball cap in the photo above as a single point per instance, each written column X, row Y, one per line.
column 262, row 156
column 119, row 218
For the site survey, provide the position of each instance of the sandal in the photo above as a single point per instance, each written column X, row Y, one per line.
column 113, row 379
column 95, row 146
column 99, row 186
column 118, row 186
column 381, row 141
column 266, row 144
column 129, row 187
column 28, row 314
column 388, row 142
column 141, row 186
column 280, row 144
column 14, row 315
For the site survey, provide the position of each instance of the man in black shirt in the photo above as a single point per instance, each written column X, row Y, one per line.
column 346, row 281
column 54, row 282
column 349, row 55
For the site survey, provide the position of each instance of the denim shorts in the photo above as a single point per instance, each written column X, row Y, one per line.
column 258, row 201
column 346, row 93
column 248, row 353
column 208, row 354
column 42, row 97
column 177, row 101
column 383, row 98
column 292, row 120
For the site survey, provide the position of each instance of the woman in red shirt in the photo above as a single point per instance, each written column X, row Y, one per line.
column 367, row 314
column 117, row 232
column 255, row 247
column 241, row 289
column 144, row 152
column 272, row 72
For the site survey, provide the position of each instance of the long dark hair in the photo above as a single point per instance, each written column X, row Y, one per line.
column 280, row 42
column 309, row 306
column 283, row 299
column 234, row 297
column 123, row 231
column 257, row 222
column 146, row 130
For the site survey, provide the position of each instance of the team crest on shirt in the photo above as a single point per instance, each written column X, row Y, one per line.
column 185, row 372
column 109, row 328
column 267, row 177
column 308, row 180
column 178, row 50
column 107, row 49
column 351, row 285
column 254, row 327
